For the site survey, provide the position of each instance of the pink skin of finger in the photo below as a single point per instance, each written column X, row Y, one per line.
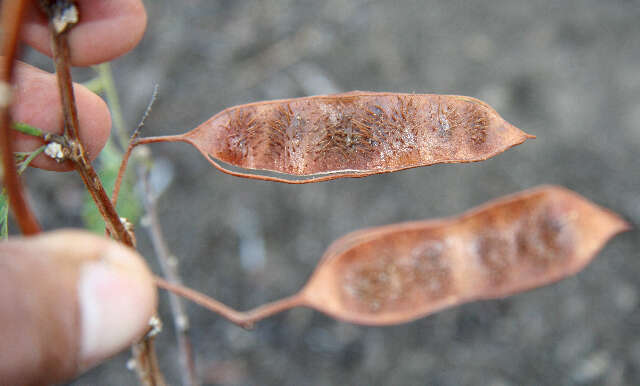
column 37, row 103
column 106, row 30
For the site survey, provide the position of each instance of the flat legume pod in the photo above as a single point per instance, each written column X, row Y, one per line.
column 397, row 273
column 350, row 135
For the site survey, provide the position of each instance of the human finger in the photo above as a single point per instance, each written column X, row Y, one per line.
column 106, row 30
column 69, row 299
column 37, row 103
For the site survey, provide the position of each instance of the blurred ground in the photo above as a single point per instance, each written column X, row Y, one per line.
column 568, row 72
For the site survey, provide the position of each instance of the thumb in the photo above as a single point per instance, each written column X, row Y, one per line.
column 68, row 300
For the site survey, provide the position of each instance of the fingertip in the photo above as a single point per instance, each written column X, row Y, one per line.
column 69, row 299
column 37, row 103
column 106, row 30
column 117, row 298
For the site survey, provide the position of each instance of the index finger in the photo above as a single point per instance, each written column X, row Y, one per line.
column 106, row 30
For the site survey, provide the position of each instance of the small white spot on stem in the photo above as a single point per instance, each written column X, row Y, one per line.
column 131, row 364
column 156, row 326
column 67, row 17
column 127, row 225
column 182, row 323
column 54, row 150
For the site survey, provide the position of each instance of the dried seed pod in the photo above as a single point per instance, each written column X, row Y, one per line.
column 354, row 134
column 397, row 273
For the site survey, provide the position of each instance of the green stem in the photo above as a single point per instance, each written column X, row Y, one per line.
column 31, row 157
column 4, row 201
column 109, row 88
column 95, row 85
column 4, row 215
column 27, row 129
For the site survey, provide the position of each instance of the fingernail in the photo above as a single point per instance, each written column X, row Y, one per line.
column 117, row 298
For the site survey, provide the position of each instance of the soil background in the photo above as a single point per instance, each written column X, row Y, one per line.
column 566, row 71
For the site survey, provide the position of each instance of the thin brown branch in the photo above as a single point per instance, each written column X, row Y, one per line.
column 132, row 144
column 144, row 354
column 169, row 270
column 12, row 12
column 60, row 45
column 121, row 171
column 243, row 319
column 63, row 15
column 267, row 310
column 78, row 154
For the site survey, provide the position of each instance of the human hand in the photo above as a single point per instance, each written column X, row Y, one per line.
column 69, row 299
column 106, row 30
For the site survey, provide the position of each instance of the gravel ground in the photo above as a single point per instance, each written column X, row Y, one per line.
column 566, row 71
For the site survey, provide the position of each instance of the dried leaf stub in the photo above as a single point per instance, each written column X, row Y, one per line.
column 355, row 134
column 397, row 273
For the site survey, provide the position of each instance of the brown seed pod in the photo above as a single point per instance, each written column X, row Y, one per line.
column 354, row 134
column 400, row 272
column 397, row 273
